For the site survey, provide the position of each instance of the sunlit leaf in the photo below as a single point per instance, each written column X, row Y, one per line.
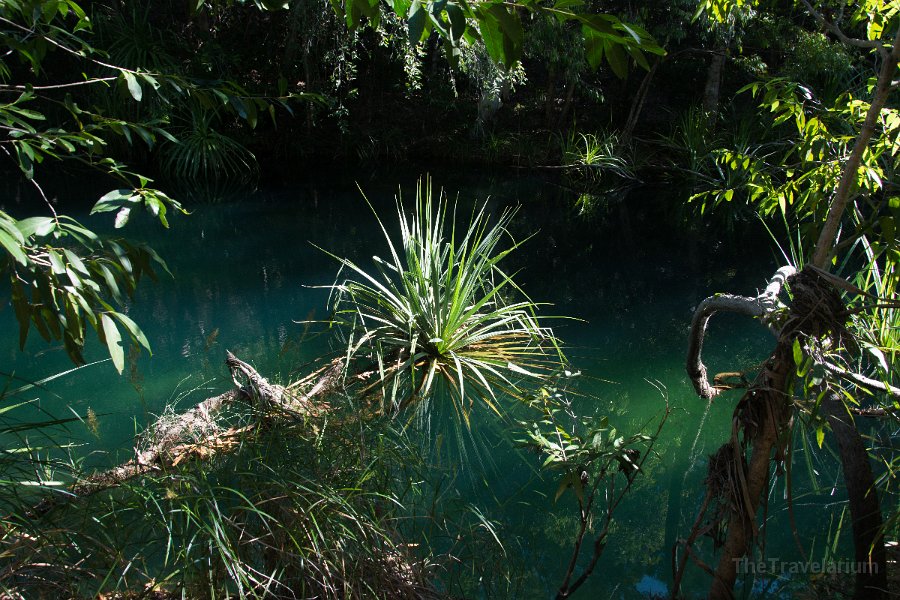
column 113, row 341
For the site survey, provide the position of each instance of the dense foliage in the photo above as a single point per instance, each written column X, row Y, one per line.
column 783, row 112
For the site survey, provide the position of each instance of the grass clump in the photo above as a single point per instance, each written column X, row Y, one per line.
column 441, row 310
column 285, row 513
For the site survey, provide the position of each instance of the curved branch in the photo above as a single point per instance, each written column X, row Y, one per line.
column 761, row 306
column 840, row 35
column 720, row 302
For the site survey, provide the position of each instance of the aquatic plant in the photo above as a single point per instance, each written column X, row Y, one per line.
column 204, row 154
column 591, row 155
column 441, row 308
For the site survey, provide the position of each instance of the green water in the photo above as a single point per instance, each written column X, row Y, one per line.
column 631, row 269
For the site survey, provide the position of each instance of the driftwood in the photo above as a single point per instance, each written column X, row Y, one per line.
column 195, row 434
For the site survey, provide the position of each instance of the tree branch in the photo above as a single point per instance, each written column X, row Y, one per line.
column 194, row 433
column 612, row 502
column 840, row 35
column 37, row 186
column 828, row 235
column 760, row 306
column 22, row 88
column 862, row 381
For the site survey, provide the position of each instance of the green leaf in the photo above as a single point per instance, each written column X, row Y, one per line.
column 112, row 200
column 39, row 226
column 798, row 353
column 251, row 114
column 13, row 247
column 492, row 36
column 23, row 311
column 113, row 342
column 111, row 283
column 567, row 4
column 133, row 329
column 617, row 59
column 400, row 7
column 564, row 483
column 134, row 87
column 512, row 33
column 122, row 217
column 457, row 21
column 820, row 435
column 56, row 263
column 416, row 22
column 76, row 262
column 888, row 228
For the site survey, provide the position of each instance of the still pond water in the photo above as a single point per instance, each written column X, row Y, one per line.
column 631, row 266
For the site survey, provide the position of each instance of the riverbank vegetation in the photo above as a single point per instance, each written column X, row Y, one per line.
column 331, row 483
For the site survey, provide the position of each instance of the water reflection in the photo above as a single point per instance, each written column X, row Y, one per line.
column 245, row 277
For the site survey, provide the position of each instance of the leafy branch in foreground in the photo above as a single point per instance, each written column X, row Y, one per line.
column 46, row 118
column 440, row 308
column 594, row 459
column 64, row 278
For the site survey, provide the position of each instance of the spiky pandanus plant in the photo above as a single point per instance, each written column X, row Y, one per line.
column 441, row 309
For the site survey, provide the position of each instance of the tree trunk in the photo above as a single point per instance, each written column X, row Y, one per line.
column 570, row 93
column 774, row 412
column 637, row 105
column 769, row 407
column 713, row 84
column 828, row 235
column 764, row 415
column 865, row 508
column 550, row 98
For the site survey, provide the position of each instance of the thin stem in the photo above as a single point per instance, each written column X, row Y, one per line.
column 613, row 501
column 38, row 187
column 22, row 88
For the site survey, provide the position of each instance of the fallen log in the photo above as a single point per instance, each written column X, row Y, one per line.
column 195, row 433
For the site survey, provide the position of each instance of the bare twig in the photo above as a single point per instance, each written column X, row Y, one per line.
column 22, row 88
column 37, row 186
